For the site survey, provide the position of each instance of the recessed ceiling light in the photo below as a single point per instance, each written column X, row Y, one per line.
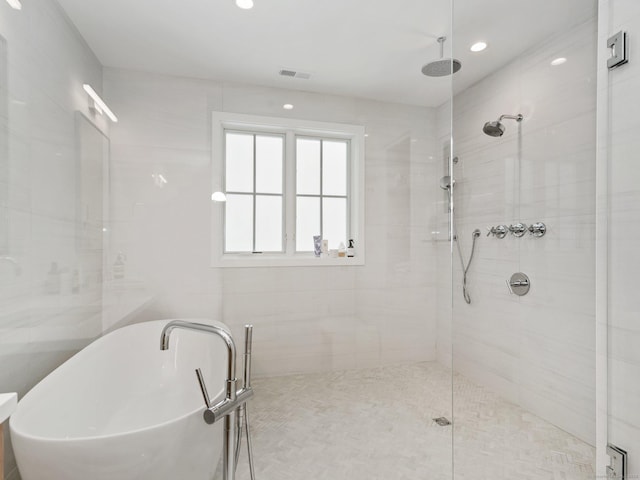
column 15, row 4
column 287, row 106
column 558, row 61
column 245, row 4
column 478, row 47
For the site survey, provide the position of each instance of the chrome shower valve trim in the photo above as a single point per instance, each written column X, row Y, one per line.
column 518, row 229
column 537, row 229
column 499, row 232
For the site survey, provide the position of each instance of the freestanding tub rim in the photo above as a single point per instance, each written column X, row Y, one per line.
column 14, row 420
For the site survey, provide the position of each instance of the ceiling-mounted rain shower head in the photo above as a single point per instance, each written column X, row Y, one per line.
column 443, row 66
column 496, row 129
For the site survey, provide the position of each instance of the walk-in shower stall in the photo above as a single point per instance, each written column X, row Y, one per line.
column 426, row 209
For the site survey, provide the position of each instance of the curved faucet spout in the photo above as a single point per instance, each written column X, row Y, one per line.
column 201, row 327
column 227, row 407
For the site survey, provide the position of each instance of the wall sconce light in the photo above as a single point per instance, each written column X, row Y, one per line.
column 218, row 197
column 98, row 103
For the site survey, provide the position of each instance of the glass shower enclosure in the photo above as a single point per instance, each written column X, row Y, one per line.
column 524, row 174
column 491, row 331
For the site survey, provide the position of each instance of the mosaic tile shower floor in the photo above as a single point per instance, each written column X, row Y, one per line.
column 378, row 424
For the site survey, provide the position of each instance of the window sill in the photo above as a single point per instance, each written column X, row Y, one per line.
column 265, row 260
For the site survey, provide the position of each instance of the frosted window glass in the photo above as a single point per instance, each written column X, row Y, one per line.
column 239, row 223
column 269, row 164
column 307, row 222
column 268, row 223
column 307, row 166
column 334, row 221
column 239, row 162
column 334, row 168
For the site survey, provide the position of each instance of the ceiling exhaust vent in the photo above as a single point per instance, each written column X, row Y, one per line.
column 294, row 74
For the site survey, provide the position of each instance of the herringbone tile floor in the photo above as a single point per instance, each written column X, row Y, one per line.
column 378, row 424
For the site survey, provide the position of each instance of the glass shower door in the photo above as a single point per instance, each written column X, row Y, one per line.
column 618, row 257
column 523, row 340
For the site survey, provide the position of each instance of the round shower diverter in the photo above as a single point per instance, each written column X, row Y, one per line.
column 519, row 284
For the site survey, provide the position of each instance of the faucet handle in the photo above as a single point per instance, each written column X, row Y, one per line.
column 518, row 229
column 203, row 389
column 499, row 232
column 537, row 229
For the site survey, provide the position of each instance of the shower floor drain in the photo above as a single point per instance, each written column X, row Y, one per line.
column 442, row 421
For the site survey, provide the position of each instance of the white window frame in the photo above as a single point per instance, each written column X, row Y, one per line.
column 290, row 128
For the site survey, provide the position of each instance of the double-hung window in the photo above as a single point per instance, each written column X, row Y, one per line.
column 285, row 182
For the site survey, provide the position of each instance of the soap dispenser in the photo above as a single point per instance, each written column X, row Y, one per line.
column 351, row 251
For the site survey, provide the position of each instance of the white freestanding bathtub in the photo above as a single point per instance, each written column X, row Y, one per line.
column 122, row 409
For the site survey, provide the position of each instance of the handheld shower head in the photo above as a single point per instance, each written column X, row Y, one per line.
column 446, row 182
column 496, row 129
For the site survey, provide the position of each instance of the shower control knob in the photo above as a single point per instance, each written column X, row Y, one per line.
column 538, row 229
column 519, row 284
column 501, row 231
column 518, row 229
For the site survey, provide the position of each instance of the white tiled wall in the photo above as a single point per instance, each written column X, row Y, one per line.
column 305, row 318
column 537, row 350
column 41, row 94
column 621, row 177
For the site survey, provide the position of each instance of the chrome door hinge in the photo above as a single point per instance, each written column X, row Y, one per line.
column 617, row 469
column 619, row 50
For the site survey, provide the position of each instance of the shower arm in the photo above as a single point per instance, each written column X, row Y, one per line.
column 517, row 118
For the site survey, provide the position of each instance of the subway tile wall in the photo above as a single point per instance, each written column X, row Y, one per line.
column 537, row 350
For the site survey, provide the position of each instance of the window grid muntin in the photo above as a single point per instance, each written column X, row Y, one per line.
column 254, row 194
column 321, row 196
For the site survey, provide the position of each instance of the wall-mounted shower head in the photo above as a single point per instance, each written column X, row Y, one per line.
column 443, row 66
column 496, row 129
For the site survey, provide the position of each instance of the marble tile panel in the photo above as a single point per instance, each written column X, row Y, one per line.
column 338, row 416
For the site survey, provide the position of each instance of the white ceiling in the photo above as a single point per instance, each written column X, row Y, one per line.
column 364, row 48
